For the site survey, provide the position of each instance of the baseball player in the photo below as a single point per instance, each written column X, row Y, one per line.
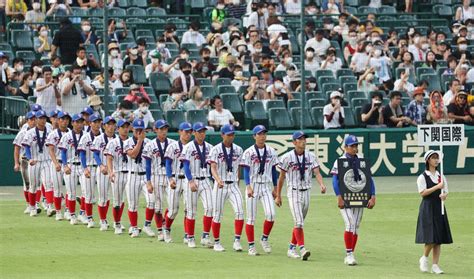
column 86, row 154
column 225, row 159
column 259, row 163
column 351, row 216
column 71, row 163
column 117, row 168
column 296, row 167
column 52, row 141
column 34, row 108
column 156, row 180
column 194, row 157
column 136, row 177
column 53, row 119
column 21, row 163
column 176, row 178
column 103, row 182
column 86, row 113
column 38, row 160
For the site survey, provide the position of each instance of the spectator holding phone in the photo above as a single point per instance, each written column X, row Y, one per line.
column 196, row 100
column 393, row 112
column 136, row 93
column 74, row 88
column 334, row 112
column 372, row 115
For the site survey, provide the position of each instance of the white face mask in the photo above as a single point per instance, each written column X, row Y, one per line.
column 312, row 85
column 470, row 28
column 278, row 85
column 80, row 62
column 220, row 6
column 143, row 109
column 425, row 46
column 309, row 54
column 288, row 60
column 416, row 40
column 86, row 28
column 36, row 6
column 36, row 69
column 4, row 66
column 114, row 53
column 374, row 39
column 329, row 26
column 161, row 46
column 236, row 2
column 258, row 50
column 44, row 33
column 19, row 68
column 53, row 1
column 31, row 83
column 184, row 56
column 155, row 61
column 368, row 49
column 238, row 73
column 96, row 108
column 352, row 41
column 134, row 51
column 377, row 52
column 462, row 47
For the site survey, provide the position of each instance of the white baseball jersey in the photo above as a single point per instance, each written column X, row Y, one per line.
column 151, row 151
column 67, row 143
column 173, row 152
column 250, row 159
column 25, row 127
column 31, row 139
column 132, row 163
column 19, row 139
column 116, row 149
column 289, row 163
column 191, row 154
column 217, row 156
column 85, row 144
column 54, row 138
column 99, row 144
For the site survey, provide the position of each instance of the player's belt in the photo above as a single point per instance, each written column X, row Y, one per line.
column 229, row 182
column 200, row 178
column 24, row 158
column 138, row 172
column 180, row 176
column 92, row 166
column 126, row 171
column 76, row 163
column 60, row 161
column 301, row 190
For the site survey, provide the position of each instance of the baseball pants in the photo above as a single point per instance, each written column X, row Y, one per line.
column 352, row 218
column 229, row 192
column 262, row 192
column 173, row 196
column 204, row 192
column 299, row 204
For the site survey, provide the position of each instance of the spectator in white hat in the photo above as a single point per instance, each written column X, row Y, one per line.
column 334, row 112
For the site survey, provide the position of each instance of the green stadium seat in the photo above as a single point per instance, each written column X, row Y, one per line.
column 296, row 117
column 433, row 80
column 26, row 55
column 154, row 11
column 255, row 113
column 279, row 118
column 174, row 118
column 22, row 39
column 344, row 72
column 190, row 46
column 138, row 72
column 78, row 11
column 138, row 3
column 196, row 115
column 323, row 73
column 359, row 102
column 387, row 10
column 366, row 10
column 160, row 83
column 134, row 11
column 208, row 91
column 355, row 94
column 347, row 79
column 279, row 74
column 326, row 79
column 405, row 101
column 424, row 70
column 198, row 4
column 113, row 12
column 226, row 89
column 350, row 87
column 350, row 10
column 349, row 120
column 223, row 81
column 232, row 102
column 353, row 3
column 6, row 47
column 204, row 81
column 148, row 39
column 295, row 103
column 157, row 113
column 317, row 115
column 329, row 87
column 317, row 103
column 143, row 32
column 275, row 104
column 442, row 10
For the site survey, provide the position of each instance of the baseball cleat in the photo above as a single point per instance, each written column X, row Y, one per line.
column 292, row 254
column 253, row 251
column 118, row 229
column 218, row 247
column 44, row 204
column 103, row 225
column 148, row 231
column 191, row 242
column 206, row 242
column 135, row 233
column 305, row 254
column 167, row 236
column 50, row 211
column 33, row 212
column 27, row 210
column 90, row 223
column 83, row 219
column 161, row 236
column 73, row 220
column 67, row 215
column 38, row 210
column 59, row 216
column 266, row 246
column 349, row 259
column 424, row 264
column 185, row 240
column 237, row 246
column 436, row 270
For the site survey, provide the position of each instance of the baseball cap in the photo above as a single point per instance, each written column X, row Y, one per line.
column 335, row 94
column 54, row 113
column 227, row 129
column 299, row 134
column 259, row 129
column 160, row 123
column 40, row 113
column 77, row 117
column 30, row 114
column 122, row 122
column 2, row 54
column 198, row 126
column 88, row 110
column 138, row 124
column 63, row 114
column 95, row 117
column 185, row 126
column 431, row 152
column 35, row 107
column 418, row 90
column 351, row 140
column 109, row 119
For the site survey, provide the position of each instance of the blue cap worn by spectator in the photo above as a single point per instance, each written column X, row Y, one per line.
column 35, row 107
column 88, row 110
column 161, row 123
column 198, row 126
column 77, row 117
column 122, row 122
column 259, row 129
column 40, row 113
column 227, row 129
column 2, row 54
column 30, row 114
column 94, row 117
column 299, row 134
column 109, row 119
column 63, row 114
column 351, row 140
column 54, row 113
column 185, row 126
column 138, row 124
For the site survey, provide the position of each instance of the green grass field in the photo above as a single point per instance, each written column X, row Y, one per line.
column 41, row 247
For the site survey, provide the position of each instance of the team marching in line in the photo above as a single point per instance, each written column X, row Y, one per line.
column 99, row 154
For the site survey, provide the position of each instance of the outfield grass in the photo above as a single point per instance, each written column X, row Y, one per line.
column 41, row 247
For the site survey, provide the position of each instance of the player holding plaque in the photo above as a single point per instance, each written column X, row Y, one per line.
column 353, row 178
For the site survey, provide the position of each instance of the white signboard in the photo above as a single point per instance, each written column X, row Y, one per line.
column 437, row 135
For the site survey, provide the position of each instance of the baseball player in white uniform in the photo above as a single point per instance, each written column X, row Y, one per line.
column 53, row 140
column 71, row 163
column 53, row 119
column 118, row 168
column 259, row 163
column 196, row 169
column 176, row 178
column 34, row 108
column 21, row 163
column 156, row 180
column 225, row 159
column 297, row 167
column 38, row 160
column 136, row 181
column 86, row 113
column 351, row 216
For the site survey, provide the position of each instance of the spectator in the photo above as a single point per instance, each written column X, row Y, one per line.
column 219, row 13
column 4, row 81
column 308, row 32
column 25, row 90
column 124, row 111
column 470, row 76
column 162, row 49
column 228, row 71
column 464, row 12
column 342, row 29
column 258, row 19
column 256, row 90
column 461, row 73
column 419, row 47
column 175, row 100
column 239, row 79
column 436, row 110
column 279, row 90
column 56, row 65
column 372, row 115
column 95, row 103
column 452, row 65
column 185, row 81
column 114, row 34
column 115, row 61
column 47, row 92
column 462, row 49
column 407, row 63
column 393, row 112
column 192, row 36
column 126, row 79
column 43, row 42
column 133, row 58
column 360, row 60
column 366, row 82
column 205, row 68
column 458, row 111
column 310, row 63
column 87, row 4
column 143, row 112
column 237, row 9
column 36, row 69
column 293, row 7
column 35, row 15
column 286, row 62
column 430, row 60
column 403, row 84
column 15, row 7
column 416, row 109
column 196, row 100
column 318, row 43
column 454, row 87
column 331, row 8
column 67, row 40
column 351, row 46
column 60, row 9
column 75, row 88
column 88, row 35
column 215, row 43
column 18, row 67
column 334, row 112
column 87, row 64
column 331, row 62
column 291, row 74
column 99, row 81
column 402, row 48
column 220, row 116
column 442, row 51
column 136, row 93
column 470, row 29
column 170, row 34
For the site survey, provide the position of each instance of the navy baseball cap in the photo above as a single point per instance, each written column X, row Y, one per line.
column 138, row 124
column 227, row 129
column 299, row 134
column 95, row 117
column 109, row 119
column 351, row 140
column 259, row 129
column 30, row 114
column 40, row 113
column 63, row 114
column 160, row 123
column 54, row 113
column 198, row 126
column 2, row 54
column 77, row 117
column 35, row 107
column 88, row 110
column 185, row 126
column 122, row 122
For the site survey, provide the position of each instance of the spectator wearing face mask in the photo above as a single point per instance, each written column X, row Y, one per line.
column 219, row 13
column 462, row 49
column 115, row 61
column 239, row 79
column 35, row 15
column 204, row 68
column 124, row 111
column 87, row 64
column 371, row 114
column 310, row 63
column 59, row 8
column 114, row 34
column 67, row 40
column 95, row 103
column 192, row 36
column 318, row 43
column 47, row 91
column 278, row 90
column 351, row 46
column 228, row 71
column 334, row 112
column 75, row 88
column 170, row 34
column 403, row 84
column 175, row 100
column 256, row 90
column 366, row 81
column 331, row 62
column 162, row 49
column 196, row 100
column 286, row 62
column 143, row 112
column 382, row 64
column 43, row 42
column 185, row 81
column 133, row 58
column 137, row 93
column 87, row 33
column 419, row 48
column 26, row 87
column 360, row 60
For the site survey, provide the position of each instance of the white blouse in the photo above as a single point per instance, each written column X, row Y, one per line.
column 421, row 182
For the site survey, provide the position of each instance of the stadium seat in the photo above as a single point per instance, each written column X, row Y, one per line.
column 275, row 104
column 208, row 92
column 154, row 11
column 433, row 80
column 255, row 113
column 326, row 79
column 143, row 32
column 279, row 118
column 113, row 12
column 329, row 87
column 366, row 9
column 355, row 94
column 442, row 10
column 21, row 39
column 27, row 55
column 358, row 102
column 295, row 103
column 134, row 11
column 222, row 81
column 387, row 10
column 424, row 70
column 204, row 81
column 138, row 3
column 160, row 83
column 78, row 11
column 296, row 117
column 174, row 118
column 157, row 113
column 190, row 46
column 317, row 115
column 317, row 103
column 6, row 47
column 347, row 79
column 232, row 102
column 138, row 73
column 226, row 89
column 323, row 73
column 350, row 87
column 349, row 120
column 344, row 72
column 196, row 115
